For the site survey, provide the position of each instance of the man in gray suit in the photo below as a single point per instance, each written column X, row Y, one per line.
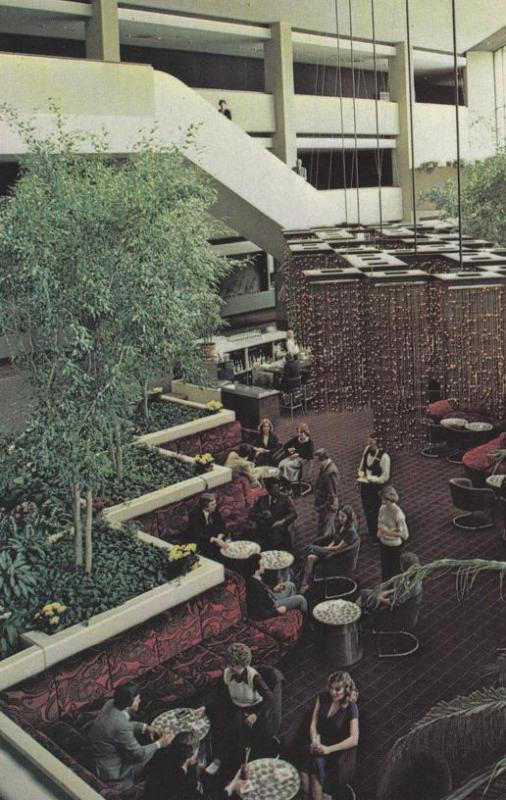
column 119, row 756
column 326, row 500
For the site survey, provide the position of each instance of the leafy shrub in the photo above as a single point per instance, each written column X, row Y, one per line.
column 146, row 470
column 22, row 552
column 164, row 414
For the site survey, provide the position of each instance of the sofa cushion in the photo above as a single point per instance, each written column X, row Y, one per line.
column 172, row 520
column 132, row 654
column 264, row 648
column 240, row 585
column 439, row 408
column 33, row 701
column 219, row 608
column 479, row 457
column 82, row 679
column 199, row 665
column 72, row 741
column 231, row 435
column 211, row 441
column 189, row 445
column 162, row 688
column 285, row 630
column 176, row 630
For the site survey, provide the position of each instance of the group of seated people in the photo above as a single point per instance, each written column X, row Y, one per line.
column 266, row 457
column 240, row 711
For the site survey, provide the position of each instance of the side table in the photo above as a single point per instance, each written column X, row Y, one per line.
column 341, row 636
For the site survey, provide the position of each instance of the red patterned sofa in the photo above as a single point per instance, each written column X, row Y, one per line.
column 235, row 500
column 218, row 441
column 171, row 657
column 478, row 464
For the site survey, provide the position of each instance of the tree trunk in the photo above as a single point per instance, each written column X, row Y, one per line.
column 88, row 539
column 112, row 451
column 119, row 452
column 78, row 532
column 145, row 404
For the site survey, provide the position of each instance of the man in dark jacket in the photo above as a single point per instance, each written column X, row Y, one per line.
column 119, row 756
column 326, row 499
column 263, row 602
column 205, row 524
column 273, row 514
column 291, row 373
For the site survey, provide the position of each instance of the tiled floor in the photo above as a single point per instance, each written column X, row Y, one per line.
column 457, row 640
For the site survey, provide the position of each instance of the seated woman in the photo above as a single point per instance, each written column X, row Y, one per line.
column 346, row 534
column 297, row 450
column 266, row 444
column 239, row 710
column 329, row 756
column 242, row 463
column 172, row 773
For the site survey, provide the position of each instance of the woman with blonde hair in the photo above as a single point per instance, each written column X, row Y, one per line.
column 333, row 738
column 266, row 444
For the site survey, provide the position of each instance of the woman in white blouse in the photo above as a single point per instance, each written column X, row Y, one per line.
column 373, row 474
column 392, row 533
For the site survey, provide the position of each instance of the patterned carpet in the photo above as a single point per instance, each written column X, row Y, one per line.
column 457, row 639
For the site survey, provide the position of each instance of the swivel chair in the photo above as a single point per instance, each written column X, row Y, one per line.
column 338, row 567
column 471, row 500
column 292, row 397
column 395, row 637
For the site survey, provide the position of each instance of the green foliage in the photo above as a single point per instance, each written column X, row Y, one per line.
column 164, row 414
column 21, row 553
column 483, row 198
column 145, row 471
column 106, row 277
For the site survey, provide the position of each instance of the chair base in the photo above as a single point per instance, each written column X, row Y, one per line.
column 305, row 488
column 433, row 450
column 455, row 457
column 475, row 522
column 346, row 587
column 396, row 644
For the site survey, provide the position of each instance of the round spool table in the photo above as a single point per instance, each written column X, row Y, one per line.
column 238, row 552
column 185, row 720
column 339, row 621
column 271, row 779
column 278, row 562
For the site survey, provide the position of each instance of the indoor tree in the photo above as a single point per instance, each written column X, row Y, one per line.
column 105, row 276
column 483, row 197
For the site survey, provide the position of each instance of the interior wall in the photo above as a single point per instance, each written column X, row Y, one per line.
column 321, row 79
column 325, row 168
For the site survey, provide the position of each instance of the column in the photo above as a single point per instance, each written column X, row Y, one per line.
column 482, row 101
column 278, row 66
column 102, row 31
column 399, row 82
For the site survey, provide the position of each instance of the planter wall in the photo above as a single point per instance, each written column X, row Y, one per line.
column 223, row 417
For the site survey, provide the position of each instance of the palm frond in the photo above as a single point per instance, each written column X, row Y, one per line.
column 489, row 784
column 466, row 572
column 466, row 730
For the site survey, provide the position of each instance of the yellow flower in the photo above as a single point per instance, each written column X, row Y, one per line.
column 156, row 390
column 191, row 548
column 54, row 620
column 214, row 405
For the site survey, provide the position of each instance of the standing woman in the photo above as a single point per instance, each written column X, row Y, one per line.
column 333, row 735
column 392, row 533
column 373, row 474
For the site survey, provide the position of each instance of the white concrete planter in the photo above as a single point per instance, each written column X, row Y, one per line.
column 44, row 651
column 194, row 393
column 187, row 428
column 138, row 609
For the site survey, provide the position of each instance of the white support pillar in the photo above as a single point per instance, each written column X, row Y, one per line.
column 278, row 66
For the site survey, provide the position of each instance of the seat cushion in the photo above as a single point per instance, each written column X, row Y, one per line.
column 132, row 654
column 162, row 688
column 82, row 679
column 72, row 741
column 198, row 665
column 33, row 701
column 189, row 445
column 479, row 457
column 231, row 435
column 211, row 441
column 264, row 648
column 285, row 630
column 439, row 408
column 219, row 609
column 176, row 630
